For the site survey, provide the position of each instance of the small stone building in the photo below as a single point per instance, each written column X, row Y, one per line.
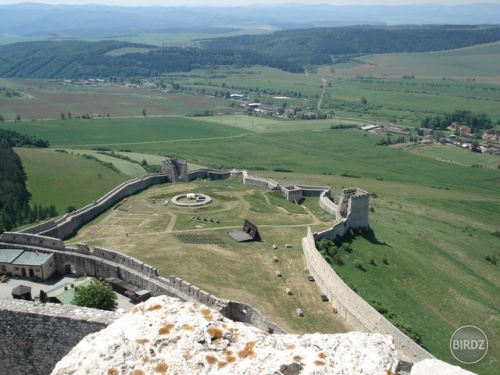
column 29, row 264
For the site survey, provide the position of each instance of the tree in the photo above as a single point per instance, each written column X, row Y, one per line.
column 144, row 112
column 95, row 295
column 475, row 147
column 18, row 117
column 63, row 116
column 364, row 101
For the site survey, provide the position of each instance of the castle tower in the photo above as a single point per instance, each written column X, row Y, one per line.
column 354, row 204
column 175, row 169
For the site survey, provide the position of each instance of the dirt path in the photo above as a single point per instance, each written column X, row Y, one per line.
column 171, row 223
column 320, row 101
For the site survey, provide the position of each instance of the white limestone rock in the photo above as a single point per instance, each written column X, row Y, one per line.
column 167, row 336
column 435, row 366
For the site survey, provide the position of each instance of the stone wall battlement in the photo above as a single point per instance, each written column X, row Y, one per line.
column 68, row 223
column 32, row 239
column 326, row 203
column 125, row 260
column 354, row 309
column 36, row 336
column 266, row 183
column 104, row 263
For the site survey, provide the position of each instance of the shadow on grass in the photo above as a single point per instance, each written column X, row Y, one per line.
column 370, row 236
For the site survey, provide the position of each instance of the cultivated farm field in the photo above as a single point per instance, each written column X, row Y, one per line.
column 399, row 88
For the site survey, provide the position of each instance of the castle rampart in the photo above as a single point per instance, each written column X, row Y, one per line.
column 104, row 263
column 198, row 173
column 70, row 222
column 36, row 336
column 351, row 212
column 354, row 309
column 326, row 203
column 175, row 169
column 265, row 183
column 295, row 193
column 33, row 240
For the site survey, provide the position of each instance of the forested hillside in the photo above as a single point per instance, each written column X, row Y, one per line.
column 79, row 59
column 317, row 46
column 15, row 209
column 287, row 50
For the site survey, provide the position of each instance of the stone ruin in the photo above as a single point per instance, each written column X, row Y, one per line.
column 175, row 169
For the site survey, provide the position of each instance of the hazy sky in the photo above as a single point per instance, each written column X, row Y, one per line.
column 247, row 2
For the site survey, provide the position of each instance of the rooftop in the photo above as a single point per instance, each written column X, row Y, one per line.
column 65, row 293
column 32, row 258
column 9, row 255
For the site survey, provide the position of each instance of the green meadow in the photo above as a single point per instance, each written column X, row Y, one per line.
column 472, row 62
column 65, row 179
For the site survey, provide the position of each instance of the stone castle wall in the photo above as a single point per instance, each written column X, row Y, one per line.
column 104, row 263
column 198, row 173
column 175, row 169
column 314, row 191
column 237, row 311
column 292, row 193
column 33, row 240
column 351, row 212
column 265, row 183
column 295, row 193
column 326, row 203
column 67, row 224
column 36, row 336
column 354, row 309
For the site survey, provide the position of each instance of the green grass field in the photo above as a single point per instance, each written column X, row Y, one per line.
column 65, row 179
column 476, row 62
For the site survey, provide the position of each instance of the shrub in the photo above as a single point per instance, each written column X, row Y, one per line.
column 359, row 265
column 492, row 260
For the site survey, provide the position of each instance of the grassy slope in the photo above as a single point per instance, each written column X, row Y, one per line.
column 64, row 179
column 470, row 61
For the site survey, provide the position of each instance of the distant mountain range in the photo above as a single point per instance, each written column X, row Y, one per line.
column 84, row 21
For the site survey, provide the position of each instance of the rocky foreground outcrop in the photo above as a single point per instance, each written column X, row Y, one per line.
column 167, row 336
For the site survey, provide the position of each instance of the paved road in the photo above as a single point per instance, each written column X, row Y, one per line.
column 6, row 288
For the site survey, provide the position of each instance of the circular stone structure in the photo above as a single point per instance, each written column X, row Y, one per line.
column 197, row 200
